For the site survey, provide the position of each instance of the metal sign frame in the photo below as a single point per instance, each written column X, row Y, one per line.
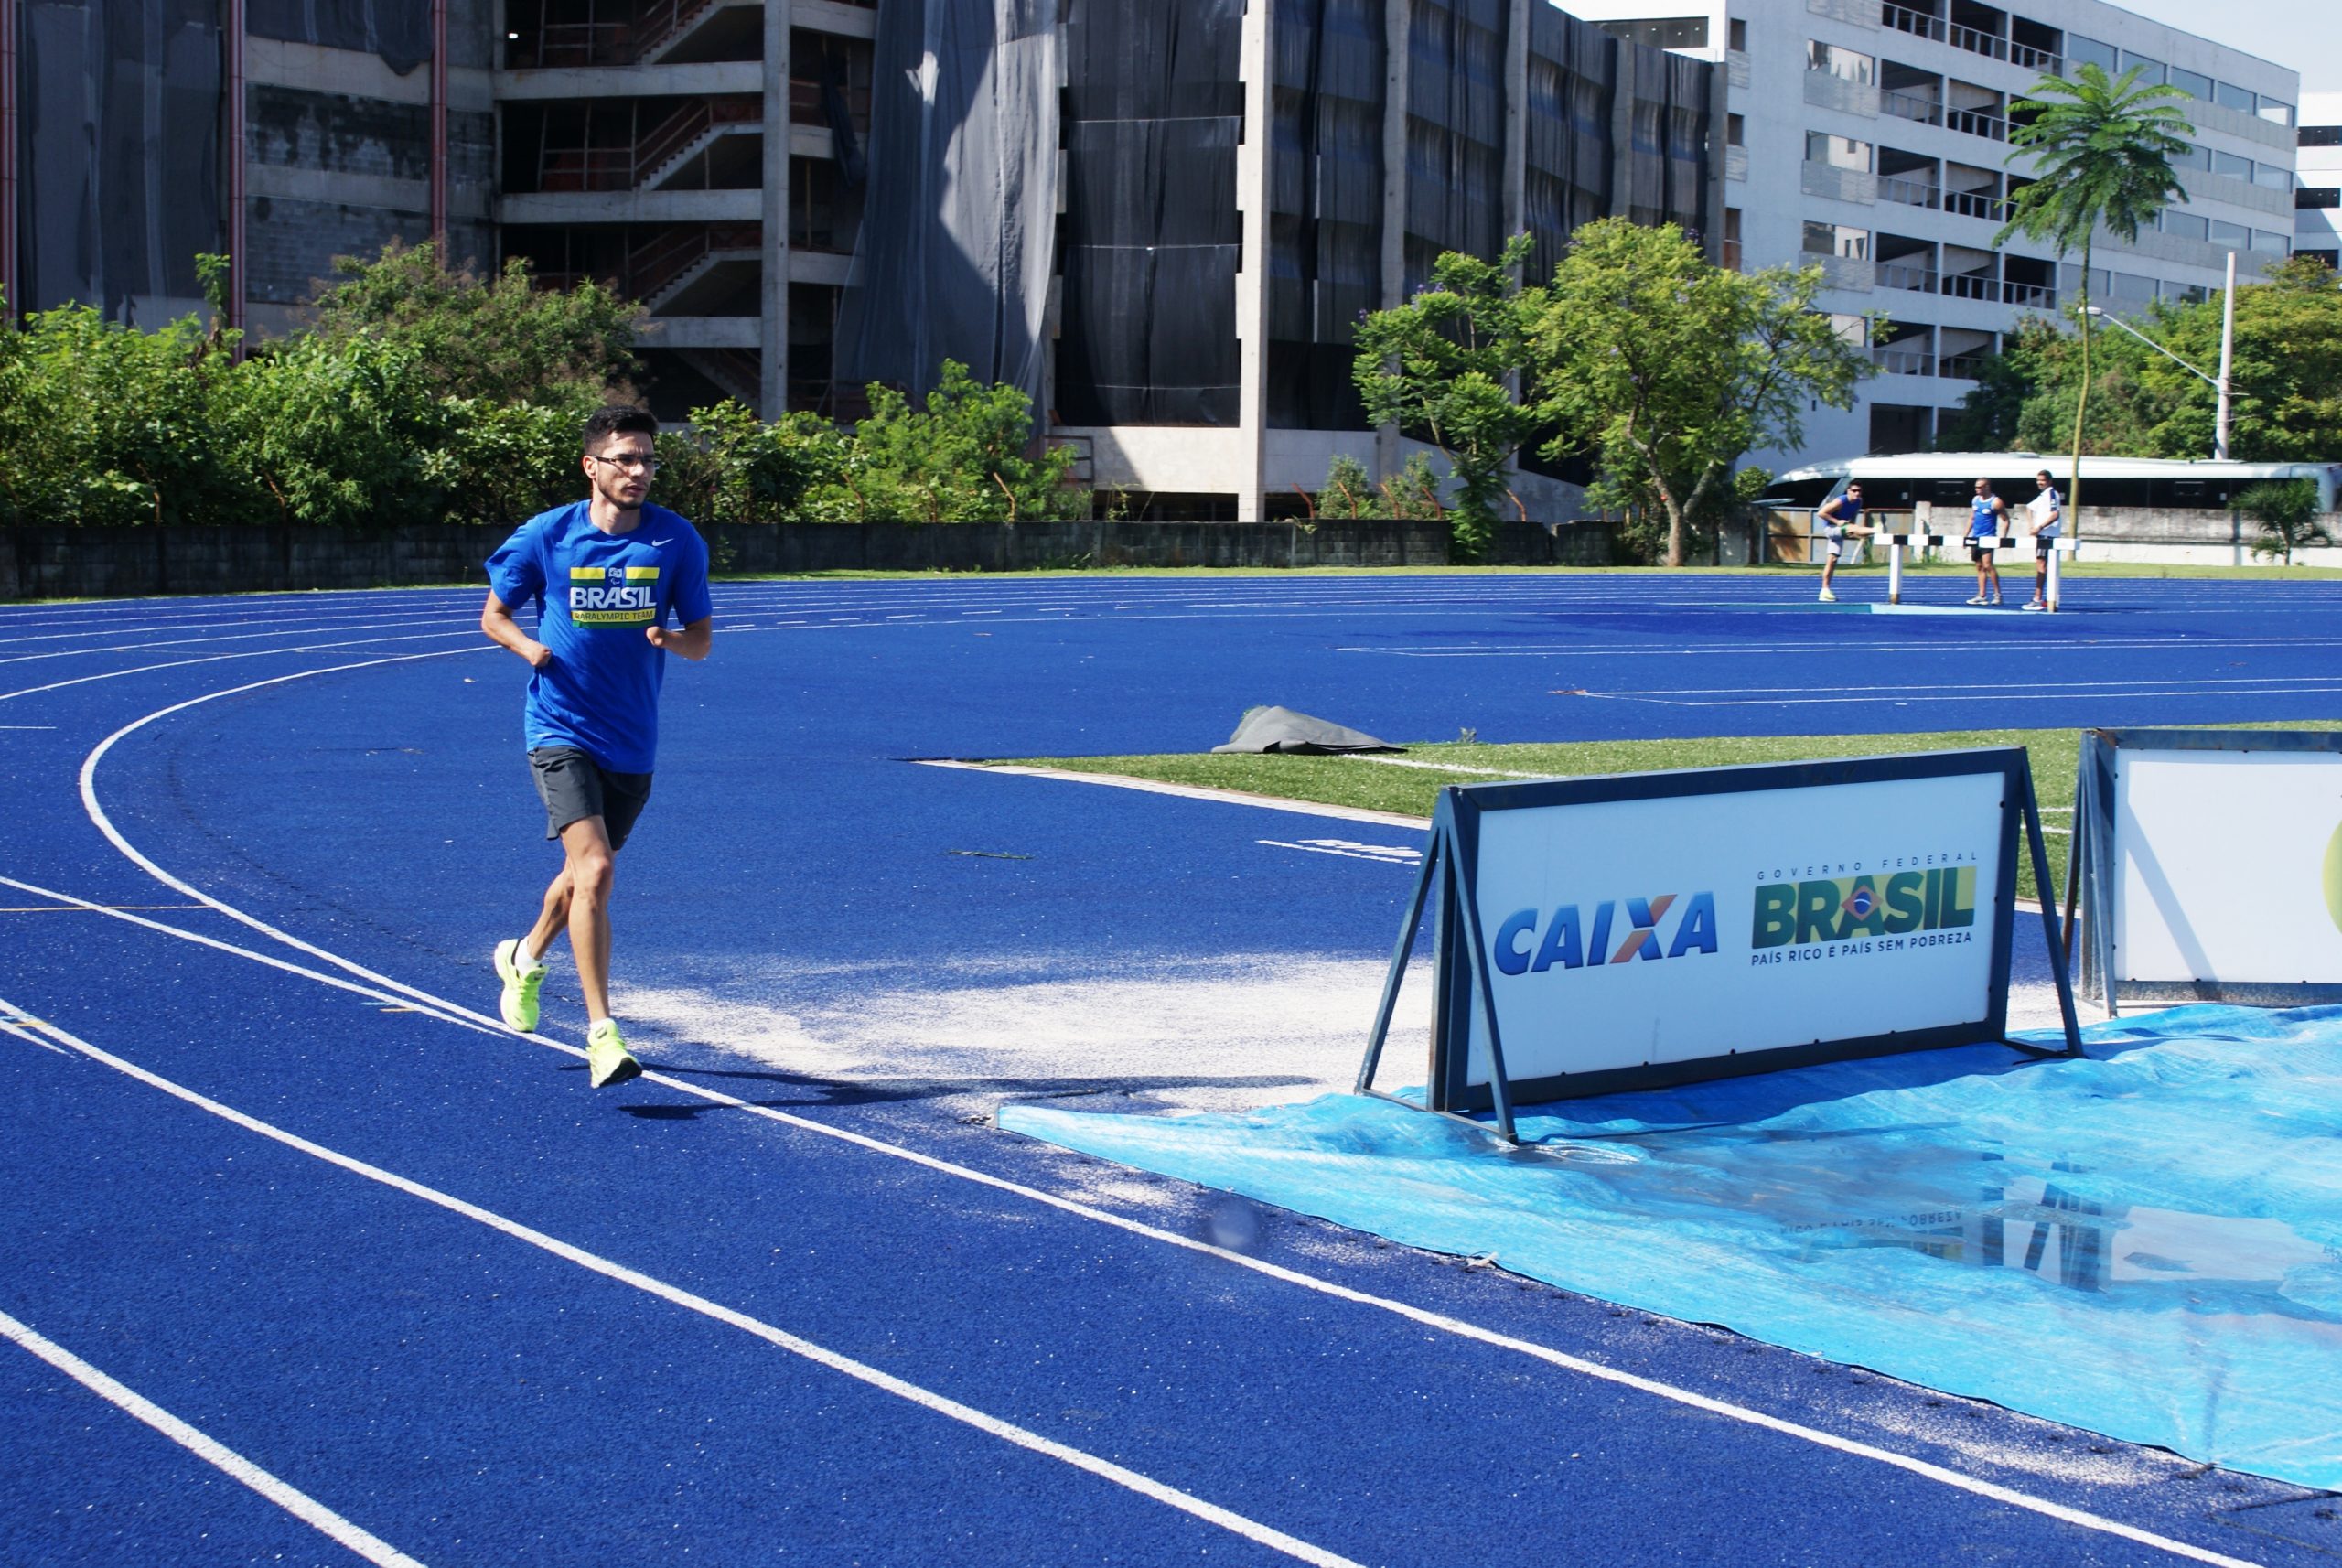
column 1463, row 988
column 2092, row 868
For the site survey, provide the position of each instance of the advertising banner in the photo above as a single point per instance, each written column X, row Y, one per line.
column 2214, row 862
column 1638, row 929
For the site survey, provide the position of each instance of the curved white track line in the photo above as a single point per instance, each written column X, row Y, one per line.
column 219, row 658
column 292, row 1500
column 925, row 1398
column 1459, row 1329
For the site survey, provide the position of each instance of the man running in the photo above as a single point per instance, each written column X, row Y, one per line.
column 1841, row 518
column 607, row 572
column 2044, row 512
column 1984, row 509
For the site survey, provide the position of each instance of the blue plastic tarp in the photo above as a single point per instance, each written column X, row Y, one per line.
column 2146, row 1244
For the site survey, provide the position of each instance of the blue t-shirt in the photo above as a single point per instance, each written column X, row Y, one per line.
column 598, row 594
column 1849, row 510
column 1983, row 521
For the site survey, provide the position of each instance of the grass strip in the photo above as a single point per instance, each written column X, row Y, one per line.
column 2054, row 754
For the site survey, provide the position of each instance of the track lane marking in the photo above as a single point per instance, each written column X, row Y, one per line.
column 218, row 1454
column 1925, row 1469
column 916, row 1394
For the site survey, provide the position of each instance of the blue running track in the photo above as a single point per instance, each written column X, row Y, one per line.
column 310, row 1260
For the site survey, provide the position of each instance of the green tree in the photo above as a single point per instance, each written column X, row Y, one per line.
column 1349, row 488
column 103, row 424
column 2100, row 156
column 728, row 466
column 2287, row 373
column 349, row 433
column 963, row 458
column 2287, row 370
column 2287, row 513
column 501, row 339
column 1670, row 369
column 1454, row 365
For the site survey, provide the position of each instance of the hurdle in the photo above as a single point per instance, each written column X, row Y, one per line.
column 1898, row 542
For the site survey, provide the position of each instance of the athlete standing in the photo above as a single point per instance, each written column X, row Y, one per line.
column 609, row 573
column 1985, row 511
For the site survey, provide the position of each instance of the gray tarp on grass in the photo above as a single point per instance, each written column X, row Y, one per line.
column 1282, row 730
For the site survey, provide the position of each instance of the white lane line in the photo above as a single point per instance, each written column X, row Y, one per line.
column 292, row 1499
column 887, row 1382
column 2282, row 681
column 1438, row 767
column 2073, row 694
column 1381, row 854
column 386, row 998
column 473, row 642
column 1188, row 791
column 1973, row 1486
column 17, row 1027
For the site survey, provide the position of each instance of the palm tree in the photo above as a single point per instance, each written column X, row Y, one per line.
column 2103, row 152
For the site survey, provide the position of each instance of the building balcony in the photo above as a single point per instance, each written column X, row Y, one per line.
column 1925, row 25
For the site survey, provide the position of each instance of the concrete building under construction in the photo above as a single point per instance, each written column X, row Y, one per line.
column 1161, row 217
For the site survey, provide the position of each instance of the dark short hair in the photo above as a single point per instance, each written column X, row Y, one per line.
column 619, row 419
column 1853, row 484
column 2044, row 474
column 1985, row 482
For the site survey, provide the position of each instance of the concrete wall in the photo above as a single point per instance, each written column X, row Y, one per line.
column 100, row 563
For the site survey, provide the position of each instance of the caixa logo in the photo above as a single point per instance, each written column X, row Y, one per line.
column 1529, row 943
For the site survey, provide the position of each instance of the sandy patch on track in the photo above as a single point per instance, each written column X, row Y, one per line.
column 1221, row 1035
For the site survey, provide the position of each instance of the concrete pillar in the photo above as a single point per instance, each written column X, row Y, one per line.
column 1516, row 152
column 1255, row 62
column 232, row 156
column 773, row 401
column 1396, row 15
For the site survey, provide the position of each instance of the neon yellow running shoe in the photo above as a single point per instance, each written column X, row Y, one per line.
column 519, row 1003
column 607, row 1061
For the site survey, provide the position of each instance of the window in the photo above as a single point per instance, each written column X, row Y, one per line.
column 1732, row 239
column 2130, row 285
column 2080, row 50
column 1661, row 32
column 2150, row 71
column 2320, row 136
column 2230, row 236
column 2233, row 167
column 2186, row 292
column 1840, row 62
column 1838, row 152
column 2195, row 84
column 2069, row 277
column 1736, row 32
column 2191, row 156
column 1837, row 239
column 2269, row 244
column 2276, row 110
column 2227, row 95
column 2186, row 225
column 1736, row 129
column 2310, row 196
column 2270, row 177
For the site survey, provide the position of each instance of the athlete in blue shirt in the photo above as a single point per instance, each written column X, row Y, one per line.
column 1984, row 509
column 607, row 574
column 1843, row 526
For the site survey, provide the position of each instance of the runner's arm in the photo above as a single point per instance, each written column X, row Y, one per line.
column 496, row 620
column 691, row 642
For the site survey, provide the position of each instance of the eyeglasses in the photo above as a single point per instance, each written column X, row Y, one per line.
column 630, row 462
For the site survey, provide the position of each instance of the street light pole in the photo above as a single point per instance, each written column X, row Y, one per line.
column 2218, row 384
column 2228, row 352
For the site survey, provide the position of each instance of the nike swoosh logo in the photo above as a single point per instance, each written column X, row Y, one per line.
column 657, row 542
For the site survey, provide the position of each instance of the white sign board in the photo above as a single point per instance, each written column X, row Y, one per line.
column 1634, row 933
column 2227, row 865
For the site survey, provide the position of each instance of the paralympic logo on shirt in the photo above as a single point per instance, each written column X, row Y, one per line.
column 613, row 596
column 1570, row 941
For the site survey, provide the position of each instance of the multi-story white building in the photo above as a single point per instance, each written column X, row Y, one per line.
column 2317, row 190
column 1872, row 136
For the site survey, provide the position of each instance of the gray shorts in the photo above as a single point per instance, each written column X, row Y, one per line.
column 574, row 787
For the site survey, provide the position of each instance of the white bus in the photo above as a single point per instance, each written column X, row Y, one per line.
column 1896, row 483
